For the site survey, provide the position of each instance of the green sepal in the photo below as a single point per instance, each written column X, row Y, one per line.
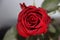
column 52, row 29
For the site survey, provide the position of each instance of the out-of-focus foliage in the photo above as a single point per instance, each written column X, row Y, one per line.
column 50, row 5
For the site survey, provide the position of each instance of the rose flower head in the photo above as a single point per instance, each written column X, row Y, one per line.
column 32, row 21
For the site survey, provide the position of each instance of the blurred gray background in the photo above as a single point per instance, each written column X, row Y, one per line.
column 9, row 10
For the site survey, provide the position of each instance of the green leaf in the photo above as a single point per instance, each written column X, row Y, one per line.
column 11, row 34
column 50, row 5
column 56, row 25
column 59, row 8
column 52, row 29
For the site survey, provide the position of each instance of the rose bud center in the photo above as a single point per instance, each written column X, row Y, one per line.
column 33, row 20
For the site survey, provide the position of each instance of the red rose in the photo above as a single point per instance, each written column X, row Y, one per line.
column 32, row 21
